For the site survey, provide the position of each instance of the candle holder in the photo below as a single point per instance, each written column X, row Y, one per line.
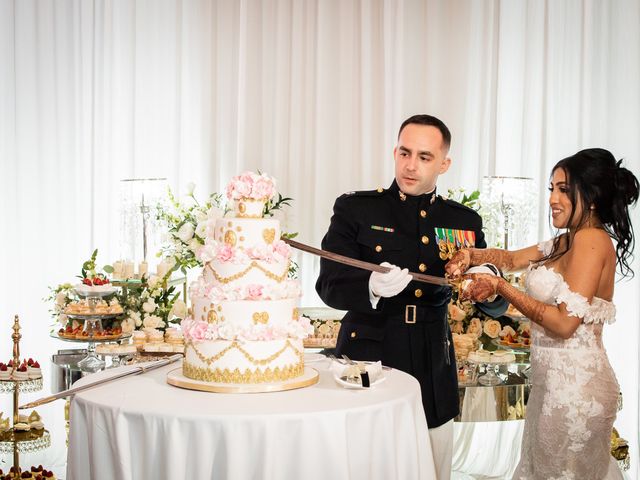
column 509, row 211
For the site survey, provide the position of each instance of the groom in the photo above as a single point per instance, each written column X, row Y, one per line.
column 391, row 318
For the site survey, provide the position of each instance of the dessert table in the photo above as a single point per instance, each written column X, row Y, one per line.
column 141, row 427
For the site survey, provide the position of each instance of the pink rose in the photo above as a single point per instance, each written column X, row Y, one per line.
column 281, row 248
column 198, row 331
column 254, row 292
column 225, row 252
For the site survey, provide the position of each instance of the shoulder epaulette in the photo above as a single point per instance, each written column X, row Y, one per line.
column 453, row 203
column 365, row 193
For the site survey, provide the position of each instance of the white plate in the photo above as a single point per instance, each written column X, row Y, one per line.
column 313, row 357
column 356, row 386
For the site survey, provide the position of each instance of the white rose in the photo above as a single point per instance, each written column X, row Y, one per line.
column 456, row 313
column 475, row 327
column 179, row 309
column 128, row 325
column 194, row 245
column 153, row 281
column 63, row 319
column 61, row 298
column 201, row 229
column 185, row 233
column 190, row 188
column 152, row 321
column 149, row 306
column 492, row 328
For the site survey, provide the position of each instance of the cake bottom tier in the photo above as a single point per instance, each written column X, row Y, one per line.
column 235, row 362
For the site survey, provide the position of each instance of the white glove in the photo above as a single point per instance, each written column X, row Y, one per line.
column 389, row 284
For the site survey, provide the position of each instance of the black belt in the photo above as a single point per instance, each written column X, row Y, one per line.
column 411, row 314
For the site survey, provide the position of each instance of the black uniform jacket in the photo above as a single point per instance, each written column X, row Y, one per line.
column 409, row 331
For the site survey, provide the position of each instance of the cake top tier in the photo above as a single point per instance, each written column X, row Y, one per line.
column 249, row 192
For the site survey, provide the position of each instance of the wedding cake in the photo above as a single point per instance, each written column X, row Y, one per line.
column 244, row 326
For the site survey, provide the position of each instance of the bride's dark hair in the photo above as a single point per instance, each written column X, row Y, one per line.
column 596, row 179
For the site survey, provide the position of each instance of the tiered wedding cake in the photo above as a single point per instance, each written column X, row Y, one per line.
column 245, row 326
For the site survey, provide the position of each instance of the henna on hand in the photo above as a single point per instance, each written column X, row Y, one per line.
column 530, row 307
column 482, row 287
column 500, row 258
column 458, row 264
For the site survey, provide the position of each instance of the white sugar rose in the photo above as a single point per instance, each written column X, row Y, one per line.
column 186, row 231
column 492, row 328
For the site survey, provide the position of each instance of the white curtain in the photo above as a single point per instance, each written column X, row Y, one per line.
column 310, row 91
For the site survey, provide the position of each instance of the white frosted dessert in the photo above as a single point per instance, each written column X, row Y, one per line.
column 245, row 326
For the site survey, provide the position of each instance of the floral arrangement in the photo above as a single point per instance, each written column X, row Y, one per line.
column 148, row 304
column 189, row 223
column 187, row 226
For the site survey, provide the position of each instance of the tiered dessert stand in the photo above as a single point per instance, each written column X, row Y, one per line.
column 14, row 441
column 92, row 328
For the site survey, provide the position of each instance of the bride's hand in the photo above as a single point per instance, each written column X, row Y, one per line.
column 478, row 287
column 458, row 264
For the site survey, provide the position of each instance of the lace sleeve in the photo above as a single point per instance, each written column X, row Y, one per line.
column 577, row 305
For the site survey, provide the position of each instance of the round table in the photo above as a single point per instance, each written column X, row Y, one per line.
column 141, row 427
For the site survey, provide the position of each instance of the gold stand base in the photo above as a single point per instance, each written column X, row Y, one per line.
column 308, row 378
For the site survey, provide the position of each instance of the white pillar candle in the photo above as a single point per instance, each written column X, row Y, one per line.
column 162, row 269
column 128, row 269
column 143, row 269
column 117, row 269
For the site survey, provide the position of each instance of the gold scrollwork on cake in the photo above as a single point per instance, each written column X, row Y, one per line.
column 260, row 317
column 252, row 265
column 296, row 314
column 248, row 376
column 254, row 361
column 230, row 238
column 269, row 235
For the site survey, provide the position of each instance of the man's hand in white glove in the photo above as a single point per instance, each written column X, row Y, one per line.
column 389, row 284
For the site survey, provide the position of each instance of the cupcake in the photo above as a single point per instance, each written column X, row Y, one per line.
column 20, row 373
column 35, row 421
column 33, row 369
column 5, row 373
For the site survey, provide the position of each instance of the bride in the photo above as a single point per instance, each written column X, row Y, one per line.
column 569, row 287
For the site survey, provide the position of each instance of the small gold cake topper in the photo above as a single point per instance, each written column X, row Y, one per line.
column 230, row 238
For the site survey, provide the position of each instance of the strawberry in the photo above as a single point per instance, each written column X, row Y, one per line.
column 30, row 361
column 22, row 368
column 10, row 363
column 35, row 365
column 3, row 367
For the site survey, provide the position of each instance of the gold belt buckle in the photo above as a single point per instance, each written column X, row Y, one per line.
column 410, row 314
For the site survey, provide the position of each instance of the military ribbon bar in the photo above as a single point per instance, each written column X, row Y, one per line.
column 382, row 229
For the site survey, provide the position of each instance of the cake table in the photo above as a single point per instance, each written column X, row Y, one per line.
column 141, row 427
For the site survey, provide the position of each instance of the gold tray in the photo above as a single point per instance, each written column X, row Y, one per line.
column 308, row 378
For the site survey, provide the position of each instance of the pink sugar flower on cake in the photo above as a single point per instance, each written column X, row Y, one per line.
column 281, row 249
column 224, row 253
column 254, row 292
column 251, row 185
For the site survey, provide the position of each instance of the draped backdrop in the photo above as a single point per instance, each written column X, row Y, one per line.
column 310, row 91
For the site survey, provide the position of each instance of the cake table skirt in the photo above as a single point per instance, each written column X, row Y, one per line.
column 140, row 427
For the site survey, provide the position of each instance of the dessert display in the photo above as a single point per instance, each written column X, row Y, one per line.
column 245, row 327
column 36, row 473
column 84, row 307
column 79, row 333
column 326, row 324
column 520, row 339
column 498, row 357
column 27, row 434
column 463, row 344
column 115, row 349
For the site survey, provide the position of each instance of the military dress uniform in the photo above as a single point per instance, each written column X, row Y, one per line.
column 410, row 331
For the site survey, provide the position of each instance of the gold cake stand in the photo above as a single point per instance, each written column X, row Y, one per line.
column 308, row 378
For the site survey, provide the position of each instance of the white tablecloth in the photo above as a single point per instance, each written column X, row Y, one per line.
column 140, row 428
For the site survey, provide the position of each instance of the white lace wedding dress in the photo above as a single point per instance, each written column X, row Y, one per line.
column 574, row 392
